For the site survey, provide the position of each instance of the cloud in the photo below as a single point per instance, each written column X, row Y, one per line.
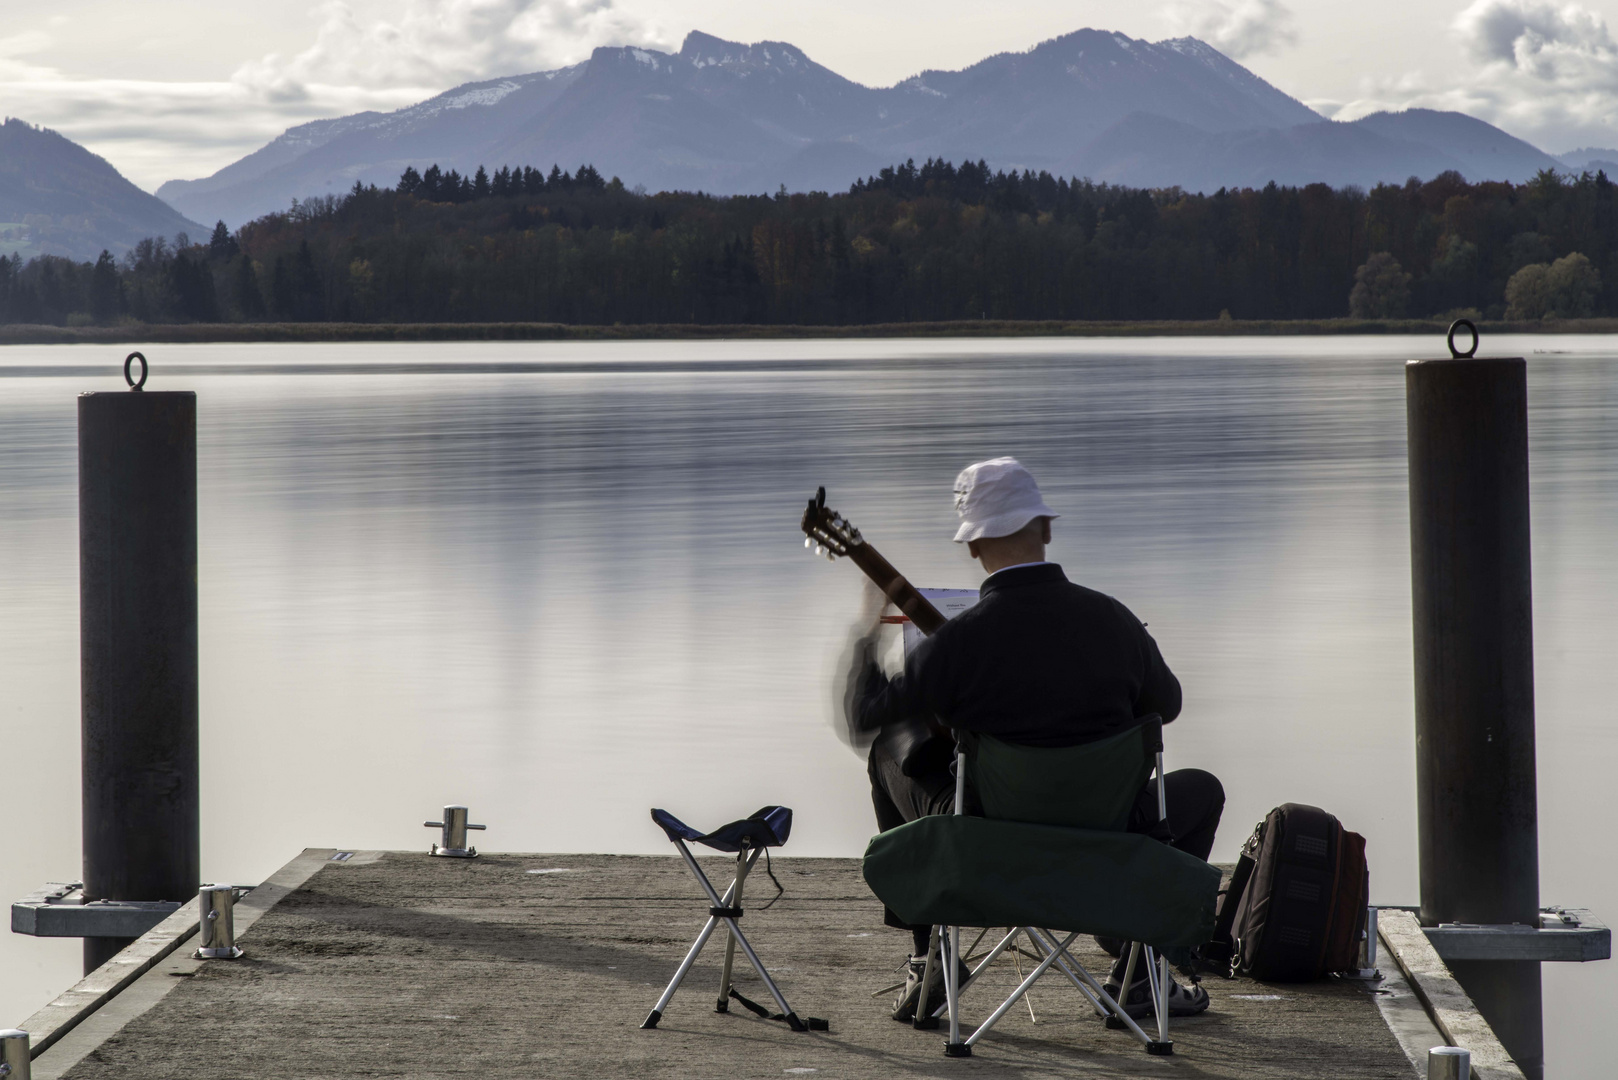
column 1567, row 44
column 1547, row 73
column 154, row 130
column 438, row 43
column 1237, row 28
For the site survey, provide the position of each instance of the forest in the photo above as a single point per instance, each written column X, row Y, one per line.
column 914, row 243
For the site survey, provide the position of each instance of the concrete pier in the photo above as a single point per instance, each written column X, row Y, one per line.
column 399, row 964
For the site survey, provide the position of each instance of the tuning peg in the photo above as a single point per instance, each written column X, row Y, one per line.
column 808, row 543
column 819, row 550
column 830, row 557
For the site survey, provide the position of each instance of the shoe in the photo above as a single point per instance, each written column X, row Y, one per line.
column 1183, row 1000
column 905, row 1009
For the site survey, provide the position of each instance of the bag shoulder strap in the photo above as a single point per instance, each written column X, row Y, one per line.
column 1219, row 954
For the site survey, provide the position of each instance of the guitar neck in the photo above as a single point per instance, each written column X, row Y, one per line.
column 898, row 590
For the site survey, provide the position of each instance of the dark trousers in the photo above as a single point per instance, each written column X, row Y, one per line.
column 1196, row 799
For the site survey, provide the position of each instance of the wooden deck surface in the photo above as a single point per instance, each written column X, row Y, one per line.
column 400, row 965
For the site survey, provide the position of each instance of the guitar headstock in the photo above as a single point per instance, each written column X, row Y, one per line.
column 827, row 531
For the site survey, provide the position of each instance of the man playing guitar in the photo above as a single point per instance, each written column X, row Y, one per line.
column 1038, row 661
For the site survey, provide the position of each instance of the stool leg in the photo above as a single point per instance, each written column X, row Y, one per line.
column 702, row 938
column 742, row 866
column 679, row 976
column 792, row 1018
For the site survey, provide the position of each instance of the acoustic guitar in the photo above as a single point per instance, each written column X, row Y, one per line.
column 917, row 743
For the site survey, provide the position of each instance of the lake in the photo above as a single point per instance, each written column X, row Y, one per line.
column 564, row 583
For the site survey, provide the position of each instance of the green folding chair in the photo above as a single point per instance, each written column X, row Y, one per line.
column 1050, row 855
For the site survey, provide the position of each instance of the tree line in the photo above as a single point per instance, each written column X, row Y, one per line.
column 930, row 242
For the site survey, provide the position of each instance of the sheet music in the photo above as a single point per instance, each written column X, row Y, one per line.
column 949, row 602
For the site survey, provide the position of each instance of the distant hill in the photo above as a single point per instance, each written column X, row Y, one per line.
column 326, row 156
column 1482, row 151
column 1591, row 159
column 57, row 198
column 727, row 118
column 1143, row 150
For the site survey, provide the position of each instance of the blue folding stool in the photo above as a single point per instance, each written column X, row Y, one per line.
column 749, row 838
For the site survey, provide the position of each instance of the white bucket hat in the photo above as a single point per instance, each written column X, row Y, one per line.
column 996, row 498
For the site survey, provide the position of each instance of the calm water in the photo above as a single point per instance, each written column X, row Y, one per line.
column 564, row 583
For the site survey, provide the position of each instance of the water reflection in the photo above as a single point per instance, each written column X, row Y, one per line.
column 563, row 583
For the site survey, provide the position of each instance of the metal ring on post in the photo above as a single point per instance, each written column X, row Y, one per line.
column 1456, row 354
column 131, row 358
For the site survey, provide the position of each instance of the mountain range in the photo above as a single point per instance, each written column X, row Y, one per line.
column 726, row 117
column 58, row 198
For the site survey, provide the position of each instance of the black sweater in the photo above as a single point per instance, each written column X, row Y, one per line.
column 1038, row 661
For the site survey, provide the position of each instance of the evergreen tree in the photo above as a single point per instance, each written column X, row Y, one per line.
column 409, row 181
column 480, row 184
column 222, row 246
column 104, row 290
column 310, row 305
column 191, row 284
column 283, row 289
column 249, row 298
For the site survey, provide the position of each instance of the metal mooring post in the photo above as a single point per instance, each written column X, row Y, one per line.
column 1477, row 811
column 16, row 1062
column 138, row 647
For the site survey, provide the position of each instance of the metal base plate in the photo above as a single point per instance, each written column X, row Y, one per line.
column 232, row 953
column 453, row 852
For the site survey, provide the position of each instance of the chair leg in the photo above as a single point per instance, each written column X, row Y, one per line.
column 1129, row 970
column 983, row 965
column 1162, row 1045
column 1022, row 988
column 952, row 996
column 1118, row 1012
column 1095, row 1003
column 923, row 1021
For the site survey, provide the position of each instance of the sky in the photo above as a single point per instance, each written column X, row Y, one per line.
column 168, row 89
